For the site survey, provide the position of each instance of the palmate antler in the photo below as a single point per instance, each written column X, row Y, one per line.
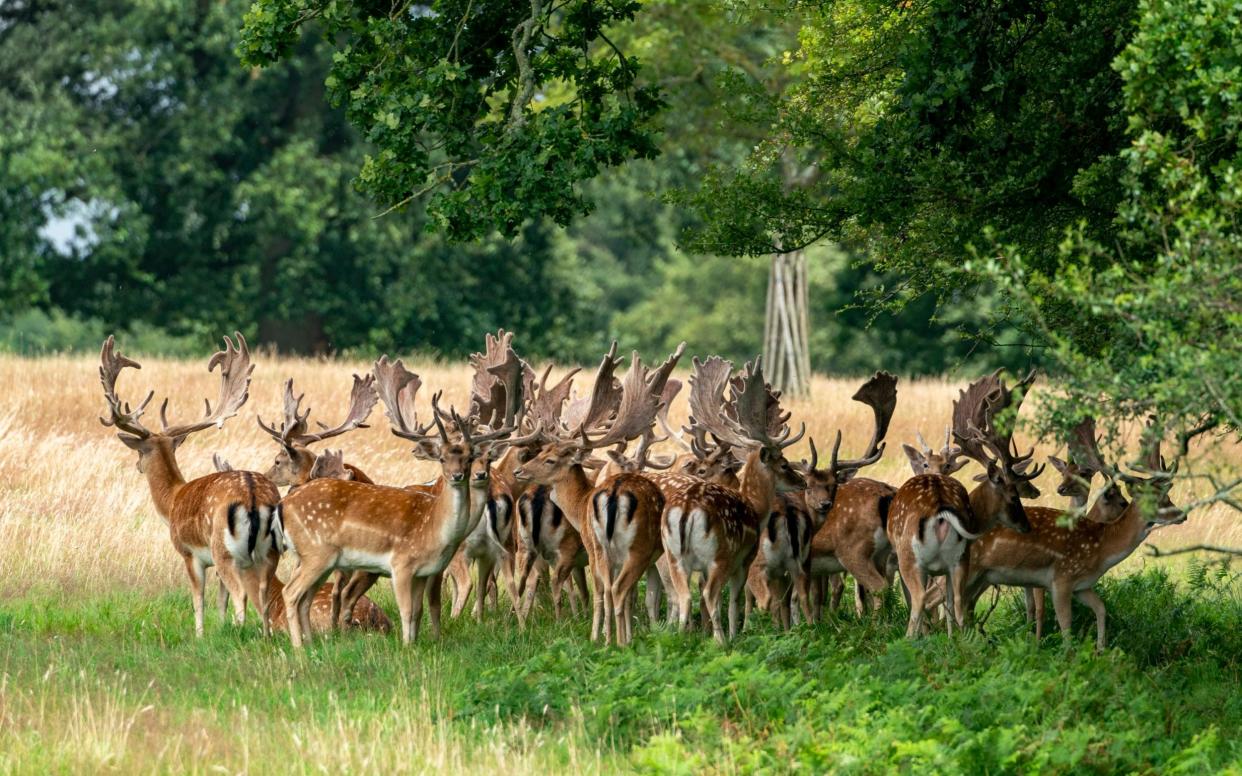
column 974, row 424
column 751, row 418
column 880, row 394
column 293, row 427
column 501, row 383
column 235, row 372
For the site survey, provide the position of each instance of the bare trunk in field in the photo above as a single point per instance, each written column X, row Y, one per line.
column 786, row 328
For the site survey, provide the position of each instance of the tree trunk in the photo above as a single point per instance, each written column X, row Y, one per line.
column 786, row 352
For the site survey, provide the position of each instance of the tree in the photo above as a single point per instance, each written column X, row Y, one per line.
column 497, row 110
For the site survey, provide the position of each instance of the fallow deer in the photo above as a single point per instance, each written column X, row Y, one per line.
column 1068, row 560
column 294, row 461
column 851, row 513
column 933, row 519
column 928, row 461
column 618, row 520
column 408, row 535
column 222, row 519
column 708, row 528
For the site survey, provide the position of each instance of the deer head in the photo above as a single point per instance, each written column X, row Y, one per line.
column 927, row 461
column 235, row 371
column 880, row 394
column 750, row 419
column 1007, row 473
column 1076, row 473
column 614, row 413
column 295, row 460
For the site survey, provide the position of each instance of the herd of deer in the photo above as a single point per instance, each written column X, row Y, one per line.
column 522, row 496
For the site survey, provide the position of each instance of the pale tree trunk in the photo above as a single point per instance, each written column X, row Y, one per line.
column 786, row 353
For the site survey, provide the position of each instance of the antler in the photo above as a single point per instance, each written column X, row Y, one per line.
column 587, row 414
column 330, row 465
column 235, row 371
column 641, row 401
column 496, row 392
column 397, row 387
column 120, row 414
column 548, row 404
column 362, row 399
column 970, row 414
column 1084, row 449
column 880, row 394
column 757, row 419
column 293, row 426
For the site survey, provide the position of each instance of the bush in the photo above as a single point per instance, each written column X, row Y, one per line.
column 38, row 332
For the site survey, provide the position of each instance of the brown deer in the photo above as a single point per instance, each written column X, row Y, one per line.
column 408, row 535
column 1068, row 560
column 708, row 528
column 293, row 463
column 619, row 520
column 851, row 513
column 928, row 461
column 933, row 519
column 222, row 519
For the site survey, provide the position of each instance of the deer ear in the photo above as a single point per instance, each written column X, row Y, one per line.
column 133, row 442
column 916, row 458
column 1057, row 463
column 616, row 457
column 427, row 450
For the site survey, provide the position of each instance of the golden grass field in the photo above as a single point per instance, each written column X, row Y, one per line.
column 75, row 513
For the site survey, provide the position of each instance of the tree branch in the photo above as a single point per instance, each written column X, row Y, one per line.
column 1156, row 552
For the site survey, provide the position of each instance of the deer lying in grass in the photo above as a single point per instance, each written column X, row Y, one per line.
column 408, row 535
column 222, row 519
column 710, row 529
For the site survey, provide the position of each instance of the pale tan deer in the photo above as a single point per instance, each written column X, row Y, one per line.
column 710, row 529
column 927, row 461
column 1068, row 560
column 618, row 520
column 408, row 535
column 222, row 519
column 490, row 546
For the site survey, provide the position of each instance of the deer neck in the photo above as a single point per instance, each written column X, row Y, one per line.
column 987, row 502
column 164, row 477
column 1123, row 536
column 571, row 493
column 503, row 471
column 453, row 510
column 757, row 485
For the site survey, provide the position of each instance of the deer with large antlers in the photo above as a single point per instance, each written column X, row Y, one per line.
column 618, row 520
column 293, row 463
column 406, row 534
column 928, row 461
column 711, row 529
column 852, row 511
column 491, row 545
column 222, row 519
column 933, row 519
column 1067, row 557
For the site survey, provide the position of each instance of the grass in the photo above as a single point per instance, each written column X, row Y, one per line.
column 98, row 670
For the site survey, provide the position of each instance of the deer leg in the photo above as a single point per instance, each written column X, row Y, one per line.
column 1093, row 600
column 652, row 597
column 230, row 576
column 302, row 586
column 579, row 578
column 339, row 580
column 222, row 597
column 197, row 573
column 837, row 582
column 435, row 588
column 713, row 584
column 1037, row 596
column 485, row 565
column 359, row 583
column 916, row 585
column 624, row 584
column 253, row 582
column 403, row 591
column 737, row 586
column 802, row 588
column 680, row 587
column 1061, row 598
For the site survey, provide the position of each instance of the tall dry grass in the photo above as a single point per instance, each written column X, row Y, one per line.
column 75, row 513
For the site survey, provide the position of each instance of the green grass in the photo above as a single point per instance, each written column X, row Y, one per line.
column 117, row 681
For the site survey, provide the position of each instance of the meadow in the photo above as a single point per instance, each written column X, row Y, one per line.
column 99, row 669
